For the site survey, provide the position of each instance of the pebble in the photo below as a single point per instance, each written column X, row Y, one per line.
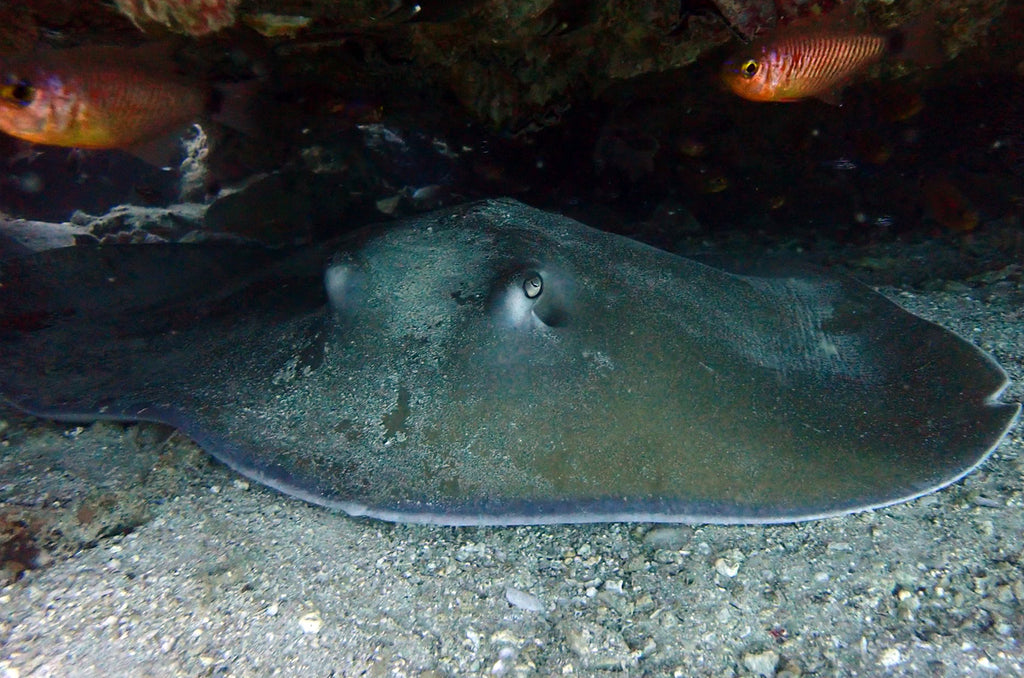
column 726, row 568
column 523, row 600
column 614, row 586
column 311, row 622
column 789, row 670
column 890, row 657
column 669, row 537
column 762, row 663
column 598, row 647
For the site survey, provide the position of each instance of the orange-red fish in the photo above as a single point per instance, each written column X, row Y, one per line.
column 818, row 60
column 96, row 98
column 946, row 204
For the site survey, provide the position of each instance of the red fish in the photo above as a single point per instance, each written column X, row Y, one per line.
column 818, row 60
column 97, row 98
column 948, row 206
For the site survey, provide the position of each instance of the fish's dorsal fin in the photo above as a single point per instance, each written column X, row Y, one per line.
column 842, row 18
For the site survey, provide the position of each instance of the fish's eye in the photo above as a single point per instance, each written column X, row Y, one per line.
column 749, row 68
column 18, row 91
column 533, row 285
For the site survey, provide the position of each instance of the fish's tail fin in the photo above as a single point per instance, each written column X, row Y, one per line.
column 918, row 42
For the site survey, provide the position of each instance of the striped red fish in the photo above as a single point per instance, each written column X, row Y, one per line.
column 96, row 98
column 818, row 60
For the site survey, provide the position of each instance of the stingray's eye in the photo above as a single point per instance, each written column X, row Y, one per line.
column 19, row 91
column 528, row 298
column 533, row 285
column 748, row 68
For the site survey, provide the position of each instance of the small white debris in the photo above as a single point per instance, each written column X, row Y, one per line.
column 167, row 643
column 890, row 658
column 614, row 586
column 311, row 622
column 474, row 639
column 986, row 663
column 726, row 568
column 506, row 660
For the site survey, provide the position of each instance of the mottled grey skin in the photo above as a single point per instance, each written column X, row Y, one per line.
column 495, row 364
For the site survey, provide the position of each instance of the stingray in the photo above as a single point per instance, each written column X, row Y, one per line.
column 496, row 364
